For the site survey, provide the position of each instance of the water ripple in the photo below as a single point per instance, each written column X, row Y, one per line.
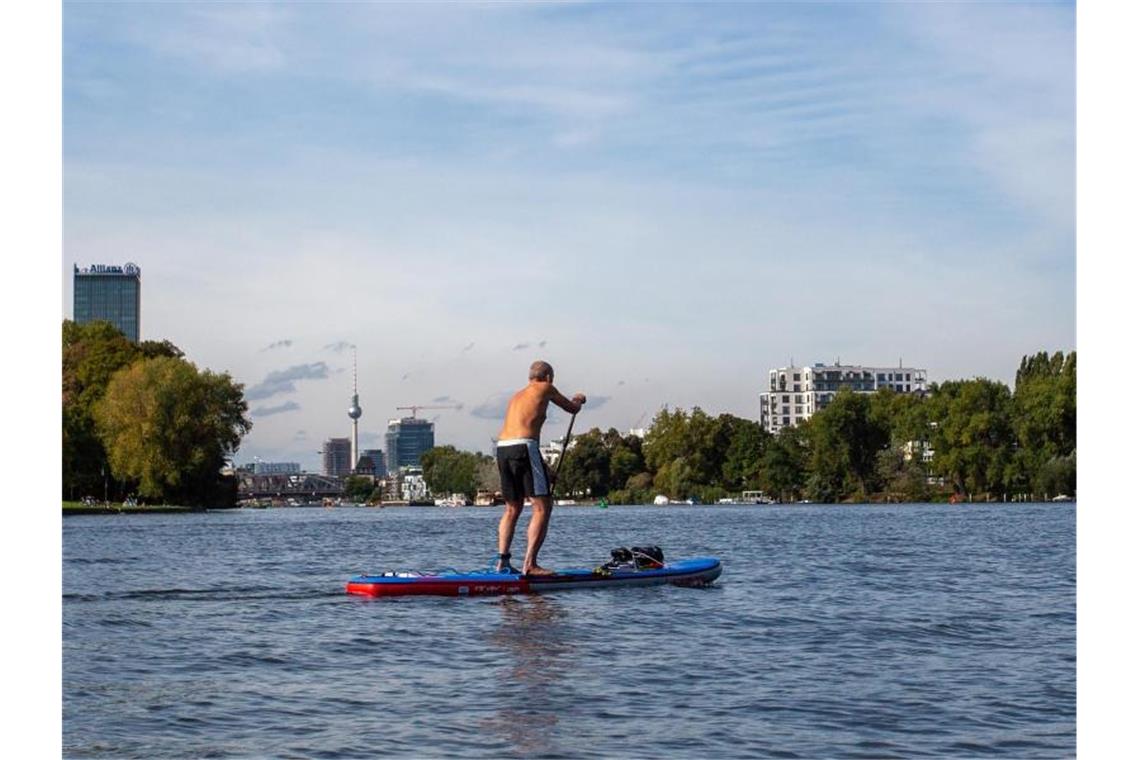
column 851, row 632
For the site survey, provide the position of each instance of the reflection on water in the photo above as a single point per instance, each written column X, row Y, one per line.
column 536, row 639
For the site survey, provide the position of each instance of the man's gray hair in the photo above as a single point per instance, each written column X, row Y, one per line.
column 540, row 370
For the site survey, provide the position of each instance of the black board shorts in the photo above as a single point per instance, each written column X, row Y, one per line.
column 522, row 472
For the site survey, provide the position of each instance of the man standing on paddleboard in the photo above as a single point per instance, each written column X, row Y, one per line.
column 521, row 469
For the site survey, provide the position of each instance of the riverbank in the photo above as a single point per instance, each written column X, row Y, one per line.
column 79, row 508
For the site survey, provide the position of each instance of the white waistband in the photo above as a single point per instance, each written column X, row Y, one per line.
column 516, row 441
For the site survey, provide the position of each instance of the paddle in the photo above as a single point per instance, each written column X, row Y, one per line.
column 558, row 467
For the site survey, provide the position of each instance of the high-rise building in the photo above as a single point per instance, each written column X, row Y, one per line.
column 407, row 439
column 337, row 455
column 108, row 293
column 379, row 462
column 796, row 393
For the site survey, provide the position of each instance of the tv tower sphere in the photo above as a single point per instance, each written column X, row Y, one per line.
column 354, row 411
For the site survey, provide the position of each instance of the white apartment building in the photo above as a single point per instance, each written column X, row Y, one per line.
column 796, row 393
column 552, row 450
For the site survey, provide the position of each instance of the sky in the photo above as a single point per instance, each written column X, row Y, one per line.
column 665, row 201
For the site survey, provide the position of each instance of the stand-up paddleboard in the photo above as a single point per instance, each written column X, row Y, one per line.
column 698, row 571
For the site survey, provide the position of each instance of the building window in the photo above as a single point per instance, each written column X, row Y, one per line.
column 787, row 420
column 796, row 387
column 796, row 377
column 799, row 411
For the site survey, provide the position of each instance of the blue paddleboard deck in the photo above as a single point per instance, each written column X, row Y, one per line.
column 698, row 571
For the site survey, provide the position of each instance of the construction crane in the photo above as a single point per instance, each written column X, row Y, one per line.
column 415, row 407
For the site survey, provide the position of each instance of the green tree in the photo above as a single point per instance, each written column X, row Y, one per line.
column 973, row 437
column 170, row 428
column 1044, row 421
column 638, row 490
column 585, row 468
column 744, row 455
column 448, row 470
column 676, row 479
column 666, row 439
column 846, row 440
column 902, row 479
column 687, row 452
column 359, row 488
column 92, row 354
column 784, row 463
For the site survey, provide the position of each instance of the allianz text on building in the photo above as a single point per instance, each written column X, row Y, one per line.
column 796, row 393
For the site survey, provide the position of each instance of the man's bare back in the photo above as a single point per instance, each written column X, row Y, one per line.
column 526, row 411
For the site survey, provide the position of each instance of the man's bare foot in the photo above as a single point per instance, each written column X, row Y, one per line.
column 538, row 570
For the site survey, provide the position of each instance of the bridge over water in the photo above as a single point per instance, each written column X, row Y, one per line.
column 251, row 486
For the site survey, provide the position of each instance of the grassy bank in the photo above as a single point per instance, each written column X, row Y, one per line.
column 79, row 508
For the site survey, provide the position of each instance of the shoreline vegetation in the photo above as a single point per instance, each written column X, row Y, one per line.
column 142, row 424
column 971, row 440
column 111, row 508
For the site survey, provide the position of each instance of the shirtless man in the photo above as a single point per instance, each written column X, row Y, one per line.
column 521, row 469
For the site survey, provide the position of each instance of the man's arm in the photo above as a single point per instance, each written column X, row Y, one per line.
column 572, row 405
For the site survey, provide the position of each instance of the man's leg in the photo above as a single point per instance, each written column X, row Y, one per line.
column 507, row 523
column 541, row 507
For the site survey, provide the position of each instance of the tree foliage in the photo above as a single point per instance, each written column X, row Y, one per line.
column 359, row 488
column 784, row 463
column 92, row 354
column 598, row 464
column 973, row 436
column 984, row 441
column 846, row 438
column 170, row 428
column 1045, row 424
column 448, row 470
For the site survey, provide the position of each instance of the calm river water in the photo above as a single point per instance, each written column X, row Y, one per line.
column 843, row 631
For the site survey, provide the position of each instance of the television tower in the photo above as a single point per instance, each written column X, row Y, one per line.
column 354, row 413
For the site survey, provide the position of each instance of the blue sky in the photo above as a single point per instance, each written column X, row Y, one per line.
column 664, row 201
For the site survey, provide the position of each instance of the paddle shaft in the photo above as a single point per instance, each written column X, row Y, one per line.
column 558, row 467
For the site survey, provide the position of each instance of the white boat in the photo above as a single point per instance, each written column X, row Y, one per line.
column 454, row 500
column 660, row 499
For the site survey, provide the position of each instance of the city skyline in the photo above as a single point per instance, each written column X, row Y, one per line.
column 699, row 194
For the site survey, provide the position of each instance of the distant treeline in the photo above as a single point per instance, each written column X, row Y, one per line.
column 139, row 419
column 981, row 440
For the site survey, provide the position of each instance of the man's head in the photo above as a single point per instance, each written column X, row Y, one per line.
column 542, row 372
